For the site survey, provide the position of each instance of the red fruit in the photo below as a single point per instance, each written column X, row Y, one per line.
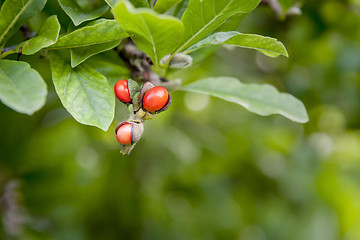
column 123, row 134
column 121, row 89
column 155, row 99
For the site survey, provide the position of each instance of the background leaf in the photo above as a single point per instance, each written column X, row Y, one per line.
column 163, row 6
column 14, row 13
column 101, row 31
column 85, row 93
column 156, row 35
column 269, row 46
column 48, row 35
column 21, row 87
column 261, row 99
column 204, row 16
column 79, row 14
column 79, row 55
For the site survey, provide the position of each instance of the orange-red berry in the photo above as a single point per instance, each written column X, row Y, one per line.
column 123, row 134
column 155, row 99
column 122, row 92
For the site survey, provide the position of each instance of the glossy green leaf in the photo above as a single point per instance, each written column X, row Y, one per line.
column 204, row 16
column 14, row 13
column 21, row 87
column 163, row 6
column 112, row 67
column 85, row 93
column 79, row 55
column 101, row 31
column 261, row 99
column 48, row 35
column 156, row 35
column 79, row 14
column 269, row 46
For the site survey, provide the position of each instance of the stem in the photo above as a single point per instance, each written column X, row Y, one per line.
column 16, row 48
column 26, row 32
column 9, row 50
column 140, row 64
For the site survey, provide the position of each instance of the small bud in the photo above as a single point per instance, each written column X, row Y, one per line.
column 294, row 11
column 179, row 61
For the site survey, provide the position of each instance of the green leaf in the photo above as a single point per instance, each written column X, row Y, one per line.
column 112, row 67
column 101, row 31
column 204, row 16
column 269, row 46
column 48, row 35
column 156, row 35
column 180, row 8
column 85, row 93
column 140, row 3
column 201, row 54
column 163, row 6
column 261, row 99
column 21, row 87
column 79, row 55
column 14, row 13
column 111, row 3
column 232, row 23
column 79, row 14
column 135, row 3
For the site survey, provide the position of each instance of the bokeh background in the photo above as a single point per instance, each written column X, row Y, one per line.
column 204, row 169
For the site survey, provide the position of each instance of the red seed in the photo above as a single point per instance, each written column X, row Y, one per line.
column 123, row 135
column 155, row 99
column 122, row 92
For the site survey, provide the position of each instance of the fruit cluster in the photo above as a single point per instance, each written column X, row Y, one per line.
column 143, row 102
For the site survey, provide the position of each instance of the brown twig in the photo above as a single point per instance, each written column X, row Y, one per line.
column 7, row 49
column 140, row 66
column 26, row 32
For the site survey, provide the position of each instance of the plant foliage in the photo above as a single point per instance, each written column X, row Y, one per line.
column 162, row 31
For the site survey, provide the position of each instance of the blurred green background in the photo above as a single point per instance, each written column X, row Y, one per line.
column 204, row 169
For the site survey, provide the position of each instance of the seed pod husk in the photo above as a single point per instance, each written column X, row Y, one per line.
column 137, row 129
column 167, row 105
column 133, row 88
column 145, row 87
